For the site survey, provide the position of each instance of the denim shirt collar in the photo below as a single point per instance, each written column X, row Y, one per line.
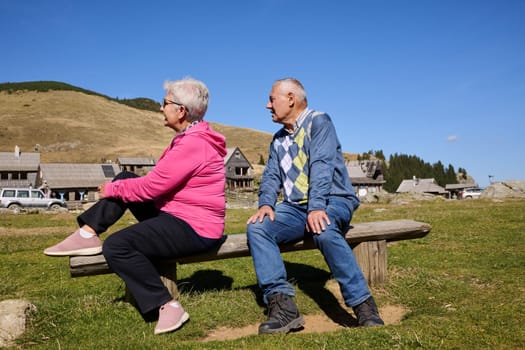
column 299, row 121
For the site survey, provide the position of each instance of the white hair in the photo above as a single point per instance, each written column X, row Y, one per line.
column 295, row 86
column 191, row 93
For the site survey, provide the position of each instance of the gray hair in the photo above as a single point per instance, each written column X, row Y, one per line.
column 295, row 86
column 193, row 94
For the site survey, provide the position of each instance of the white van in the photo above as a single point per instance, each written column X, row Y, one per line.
column 16, row 198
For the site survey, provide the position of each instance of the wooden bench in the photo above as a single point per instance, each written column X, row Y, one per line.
column 368, row 242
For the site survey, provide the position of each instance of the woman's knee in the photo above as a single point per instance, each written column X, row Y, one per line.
column 108, row 248
column 113, row 245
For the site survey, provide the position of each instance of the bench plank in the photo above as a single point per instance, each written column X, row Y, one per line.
column 236, row 245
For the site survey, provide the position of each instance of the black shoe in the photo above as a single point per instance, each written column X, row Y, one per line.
column 367, row 314
column 283, row 315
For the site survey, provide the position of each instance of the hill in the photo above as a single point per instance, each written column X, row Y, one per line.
column 69, row 124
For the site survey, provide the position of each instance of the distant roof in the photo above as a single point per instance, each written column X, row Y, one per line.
column 27, row 161
column 359, row 176
column 231, row 151
column 136, row 161
column 355, row 171
column 76, row 175
column 366, row 181
column 460, row 186
column 420, row 186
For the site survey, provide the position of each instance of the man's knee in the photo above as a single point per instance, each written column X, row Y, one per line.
column 252, row 230
column 327, row 238
column 255, row 231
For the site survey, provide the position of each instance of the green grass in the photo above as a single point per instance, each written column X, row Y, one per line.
column 462, row 287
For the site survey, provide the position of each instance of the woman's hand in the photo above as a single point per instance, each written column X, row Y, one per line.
column 101, row 190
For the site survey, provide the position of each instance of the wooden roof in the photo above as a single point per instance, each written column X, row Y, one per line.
column 27, row 161
column 420, row 186
column 450, row 187
column 231, row 151
column 77, row 175
column 360, row 174
column 144, row 161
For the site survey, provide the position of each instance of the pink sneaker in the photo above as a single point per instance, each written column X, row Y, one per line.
column 171, row 317
column 75, row 244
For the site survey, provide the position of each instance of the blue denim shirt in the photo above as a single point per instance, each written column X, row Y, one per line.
column 318, row 160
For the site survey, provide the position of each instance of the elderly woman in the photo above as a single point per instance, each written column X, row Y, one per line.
column 179, row 204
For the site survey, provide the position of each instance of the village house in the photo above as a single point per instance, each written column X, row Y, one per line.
column 19, row 169
column 366, row 175
column 416, row 185
column 137, row 165
column 239, row 171
column 76, row 181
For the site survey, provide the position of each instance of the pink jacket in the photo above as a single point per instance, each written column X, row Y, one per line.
column 187, row 182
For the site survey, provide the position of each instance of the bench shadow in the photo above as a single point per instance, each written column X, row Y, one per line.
column 204, row 281
column 312, row 282
column 308, row 279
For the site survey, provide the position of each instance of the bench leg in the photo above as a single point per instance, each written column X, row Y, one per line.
column 371, row 257
column 168, row 276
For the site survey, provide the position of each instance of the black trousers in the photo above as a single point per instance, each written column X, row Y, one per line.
column 132, row 253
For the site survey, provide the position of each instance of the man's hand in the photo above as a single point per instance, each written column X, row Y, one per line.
column 261, row 213
column 316, row 220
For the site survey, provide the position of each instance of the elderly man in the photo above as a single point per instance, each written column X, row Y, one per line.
column 307, row 164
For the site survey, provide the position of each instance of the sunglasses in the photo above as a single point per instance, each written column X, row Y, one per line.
column 169, row 102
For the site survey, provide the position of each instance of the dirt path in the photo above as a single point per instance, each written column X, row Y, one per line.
column 391, row 314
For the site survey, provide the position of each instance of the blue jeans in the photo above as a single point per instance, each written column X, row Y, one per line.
column 289, row 226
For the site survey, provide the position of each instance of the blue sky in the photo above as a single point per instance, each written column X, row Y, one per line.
column 442, row 80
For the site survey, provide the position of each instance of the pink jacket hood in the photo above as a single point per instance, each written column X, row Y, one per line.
column 188, row 181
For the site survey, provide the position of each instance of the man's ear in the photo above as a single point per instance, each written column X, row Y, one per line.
column 291, row 99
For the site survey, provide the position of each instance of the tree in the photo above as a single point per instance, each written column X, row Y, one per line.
column 379, row 155
column 402, row 167
column 261, row 159
column 450, row 176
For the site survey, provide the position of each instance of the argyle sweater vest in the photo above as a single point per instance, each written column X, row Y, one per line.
column 293, row 153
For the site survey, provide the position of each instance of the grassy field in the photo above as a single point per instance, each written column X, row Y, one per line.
column 462, row 287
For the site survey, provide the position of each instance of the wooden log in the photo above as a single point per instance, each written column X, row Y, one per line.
column 371, row 257
column 168, row 276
